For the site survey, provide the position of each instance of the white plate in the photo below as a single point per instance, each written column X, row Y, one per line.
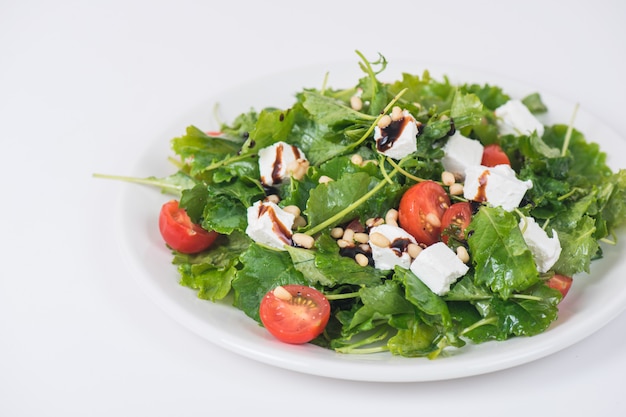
column 592, row 302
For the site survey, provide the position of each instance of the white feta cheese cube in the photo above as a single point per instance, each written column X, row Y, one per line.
column 270, row 225
column 514, row 118
column 387, row 257
column 279, row 161
column 460, row 153
column 546, row 250
column 498, row 186
column 438, row 267
column 399, row 139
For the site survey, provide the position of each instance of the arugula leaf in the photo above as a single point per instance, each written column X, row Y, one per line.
column 203, row 150
column 579, row 247
column 263, row 270
column 501, row 257
column 433, row 308
column 210, row 273
column 381, row 302
column 417, row 341
column 331, row 198
column 332, row 112
column 528, row 315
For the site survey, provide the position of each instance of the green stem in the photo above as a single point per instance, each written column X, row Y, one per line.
column 335, row 218
column 479, row 323
column 568, row 135
column 403, row 171
column 526, row 297
column 226, row 161
column 154, row 182
column 370, row 72
column 343, row 296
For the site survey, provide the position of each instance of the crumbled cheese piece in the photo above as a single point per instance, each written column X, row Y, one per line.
column 269, row 224
column 546, row 250
column 398, row 139
column 498, row 186
column 438, row 267
column 279, row 161
column 514, row 118
column 395, row 254
column 460, row 153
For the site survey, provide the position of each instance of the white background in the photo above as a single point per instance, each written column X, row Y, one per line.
column 85, row 86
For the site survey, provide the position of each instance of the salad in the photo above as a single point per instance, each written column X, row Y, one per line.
column 411, row 216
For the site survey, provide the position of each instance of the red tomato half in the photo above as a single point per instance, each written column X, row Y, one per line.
column 560, row 282
column 455, row 220
column 421, row 209
column 294, row 313
column 180, row 233
column 494, row 155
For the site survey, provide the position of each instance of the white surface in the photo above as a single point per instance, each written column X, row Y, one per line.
column 84, row 85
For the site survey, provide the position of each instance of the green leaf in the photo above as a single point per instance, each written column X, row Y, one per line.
column 271, row 127
column 417, row 341
column 263, row 270
column 534, row 103
column 500, row 255
column 432, row 306
column 381, row 302
column 522, row 316
column 203, row 150
column 331, row 198
column 578, row 248
column 211, row 272
column 332, row 112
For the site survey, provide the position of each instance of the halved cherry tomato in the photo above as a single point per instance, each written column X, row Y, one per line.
column 455, row 220
column 180, row 233
column 560, row 282
column 294, row 313
column 494, row 155
column 421, row 209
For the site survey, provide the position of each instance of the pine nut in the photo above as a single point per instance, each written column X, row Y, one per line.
column 342, row 243
column 396, row 113
column 295, row 210
column 447, row 178
column 462, row 254
column 336, row 232
column 384, row 121
column 357, row 159
column 361, row 259
column 365, row 247
column 356, row 103
column 361, row 237
column 324, row 179
column 413, row 250
column 273, row 198
column 281, row 293
column 433, row 220
column 380, row 240
column 303, row 240
column 374, row 221
column 299, row 222
column 456, row 189
column 348, row 235
column 392, row 217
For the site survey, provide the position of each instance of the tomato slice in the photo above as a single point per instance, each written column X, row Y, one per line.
column 494, row 155
column 455, row 220
column 180, row 233
column 421, row 209
column 294, row 313
column 560, row 282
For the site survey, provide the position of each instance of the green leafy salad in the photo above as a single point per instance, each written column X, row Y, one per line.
column 461, row 260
